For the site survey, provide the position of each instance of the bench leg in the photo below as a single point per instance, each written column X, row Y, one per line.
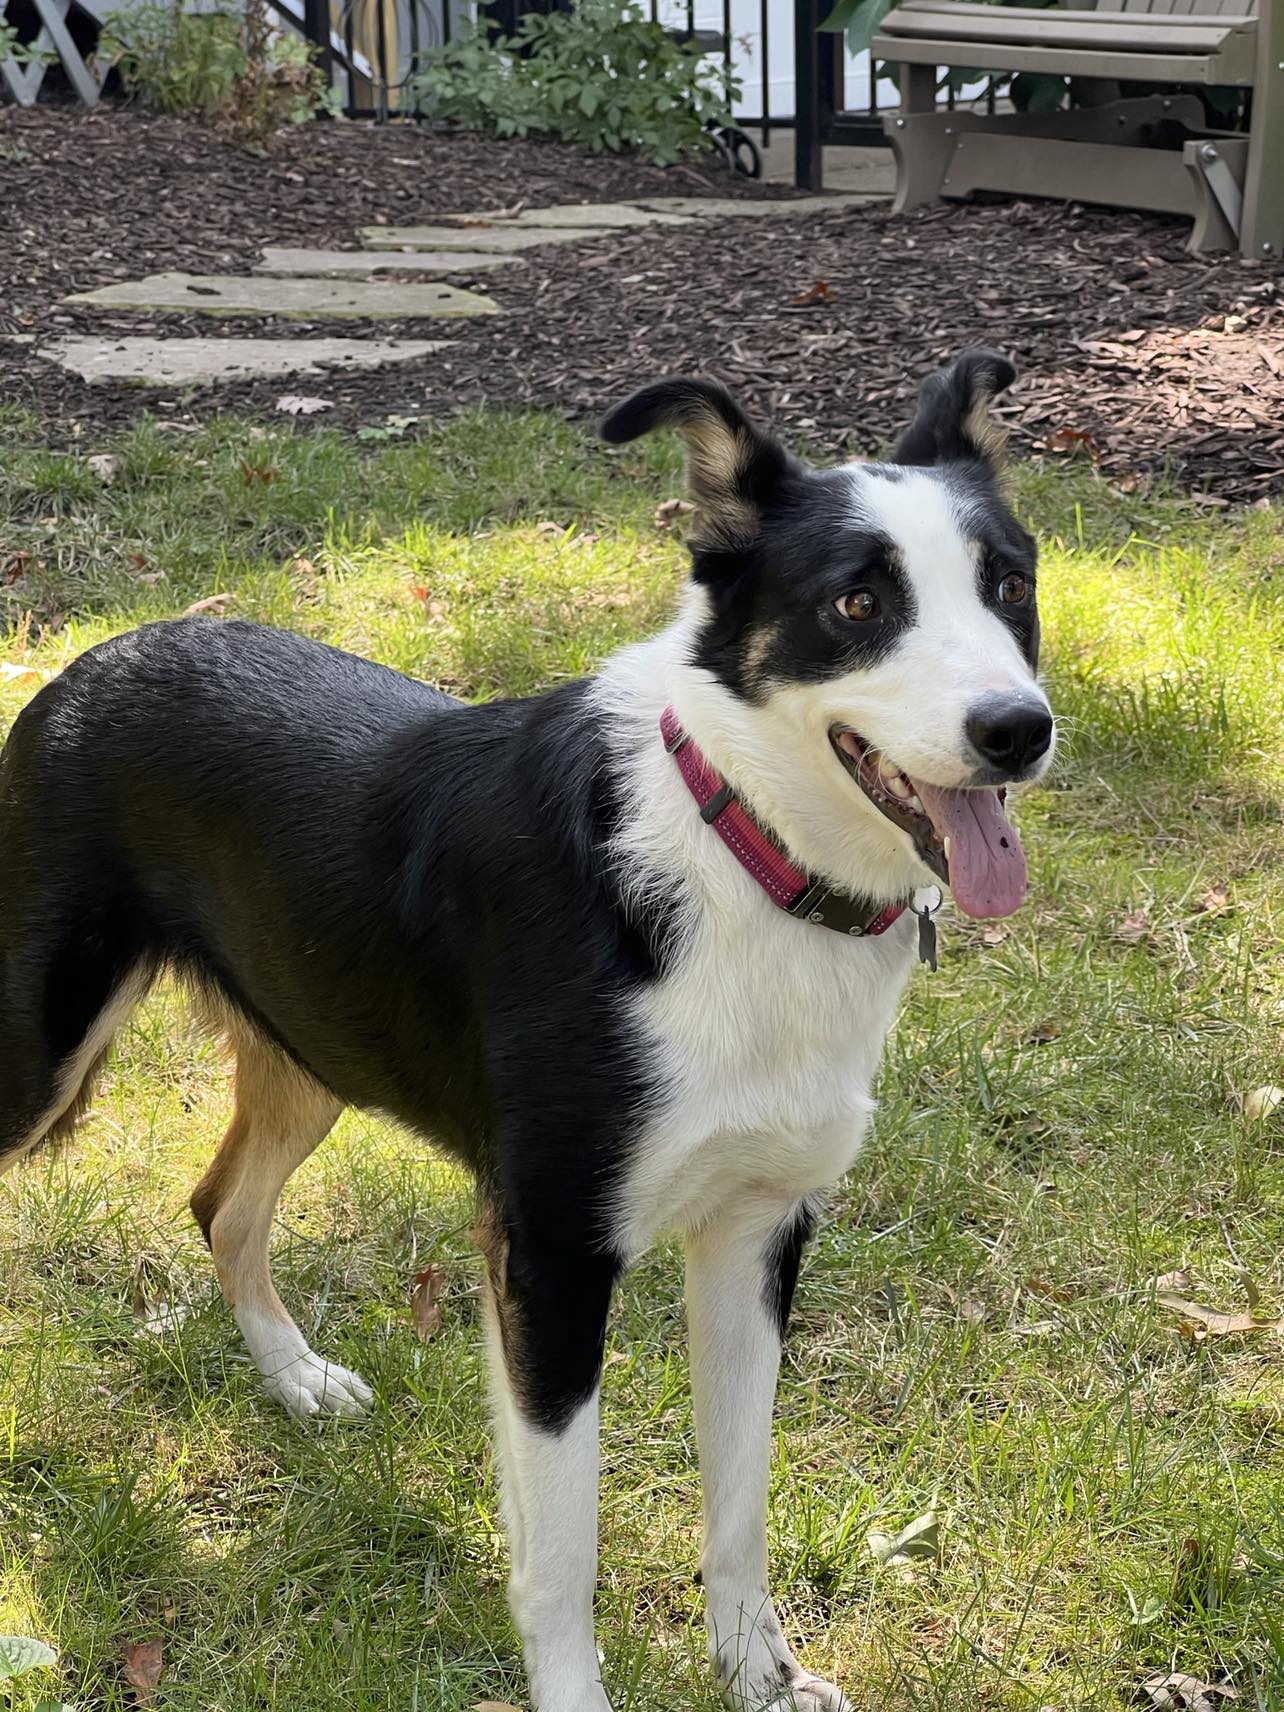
column 923, row 145
column 1217, row 169
column 1262, row 231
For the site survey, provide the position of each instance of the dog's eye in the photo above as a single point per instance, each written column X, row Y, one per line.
column 1013, row 589
column 860, row 605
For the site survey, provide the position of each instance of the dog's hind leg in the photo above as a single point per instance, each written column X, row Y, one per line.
column 281, row 1115
column 741, row 1271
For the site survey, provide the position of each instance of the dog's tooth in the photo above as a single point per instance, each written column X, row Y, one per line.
column 946, row 847
column 896, row 786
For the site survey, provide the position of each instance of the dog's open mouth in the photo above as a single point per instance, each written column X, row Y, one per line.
column 963, row 836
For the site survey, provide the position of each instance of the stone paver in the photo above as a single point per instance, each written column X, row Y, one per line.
column 506, row 238
column 365, row 264
column 599, row 216
column 198, row 362
column 737, row 208
column 309, row 299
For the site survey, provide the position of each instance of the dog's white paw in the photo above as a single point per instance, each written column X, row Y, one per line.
column 309, row 1386
column 809, row 1694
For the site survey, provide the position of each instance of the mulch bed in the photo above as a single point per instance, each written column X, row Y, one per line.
column 1134, row 353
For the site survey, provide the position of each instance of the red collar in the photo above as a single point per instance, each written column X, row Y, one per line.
column 789, row 887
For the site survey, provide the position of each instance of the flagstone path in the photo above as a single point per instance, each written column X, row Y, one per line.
column 368, row 284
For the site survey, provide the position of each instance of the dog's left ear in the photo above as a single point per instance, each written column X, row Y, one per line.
column 734, row 470
column 953, row 418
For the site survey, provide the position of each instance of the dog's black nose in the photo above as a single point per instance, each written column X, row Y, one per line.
column 1010, row 735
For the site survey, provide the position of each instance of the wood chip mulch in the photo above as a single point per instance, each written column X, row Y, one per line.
column 1134, row 354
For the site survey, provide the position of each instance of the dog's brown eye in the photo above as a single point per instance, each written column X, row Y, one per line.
column 860, row 605
column 1012, row 589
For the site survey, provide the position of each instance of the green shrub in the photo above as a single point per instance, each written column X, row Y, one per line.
column 601, row 75
column 230, row 67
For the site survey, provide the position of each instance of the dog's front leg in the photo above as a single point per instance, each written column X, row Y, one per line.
column 545, row 1322
column 740, row 1281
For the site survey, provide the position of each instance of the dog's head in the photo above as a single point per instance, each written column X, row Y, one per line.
column 863, row 640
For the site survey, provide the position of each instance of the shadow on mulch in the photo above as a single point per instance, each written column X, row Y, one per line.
column 1133, row 352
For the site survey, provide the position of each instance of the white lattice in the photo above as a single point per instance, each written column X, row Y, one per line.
column 53, row 44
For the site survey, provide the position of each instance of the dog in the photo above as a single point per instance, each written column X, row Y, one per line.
column 627, row 950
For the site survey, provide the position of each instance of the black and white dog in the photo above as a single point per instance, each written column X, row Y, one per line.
column 629, row 949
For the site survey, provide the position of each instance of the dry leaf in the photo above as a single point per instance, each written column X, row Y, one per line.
column 294, row 404
column 1074, row 440
column 211, row 603
column 425, row 1305
column 1135, row 927
column 15, row 674
column 104, row 466
column 1198, row 1321
column 495, row 1706
column 261, row 473
column 995, row 933
column 15, row 567
column 1263, row 1103
column 1177, row 1692
column 141, row 1666
column 1214, row 901
column 820, row 292
column 1178, row 1281
column 669, row 510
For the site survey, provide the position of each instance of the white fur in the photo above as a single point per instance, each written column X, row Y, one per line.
column 548, row 1485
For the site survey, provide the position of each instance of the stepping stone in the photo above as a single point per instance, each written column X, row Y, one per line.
column 308, row 299
column 199, row 362
column 602, row 216
column 503, row 238
column 363, row 264
column 735, row 208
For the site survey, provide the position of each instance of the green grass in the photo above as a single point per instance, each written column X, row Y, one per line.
column 977, row 1332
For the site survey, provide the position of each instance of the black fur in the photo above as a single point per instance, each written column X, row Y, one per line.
column 784, row 1259
column 950, row 402
column 421, row 914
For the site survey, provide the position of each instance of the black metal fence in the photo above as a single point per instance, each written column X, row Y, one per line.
column 372, row 47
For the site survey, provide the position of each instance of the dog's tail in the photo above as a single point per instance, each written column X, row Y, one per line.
column 75, row 950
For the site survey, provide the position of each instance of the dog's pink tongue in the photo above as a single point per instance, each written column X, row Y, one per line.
column 987, row 864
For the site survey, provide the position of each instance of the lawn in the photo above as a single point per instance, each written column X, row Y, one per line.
column 978, row 1332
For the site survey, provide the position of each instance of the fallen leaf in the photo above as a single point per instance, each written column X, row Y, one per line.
column 1135, row 927
column 15, row 567
column 1043, row 1032
column 669, row 510
column 1177, row 1692
column 141, row 1666
column 21, row 1653
column 104, row 465
column 294, row 404
column 1214, row 901
column 1071, row 440
column 495, row 1706
column 995, row 933
column 425, row 1304
column 820, row 292
column 260, row 473
column 920, row 1540
column 1199, row 1321
column 211, row 603
column 1263, row 1103
column 1178, row 1281
column 10, row 673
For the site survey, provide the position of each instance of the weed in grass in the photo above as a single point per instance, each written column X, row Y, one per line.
column 977, row 1333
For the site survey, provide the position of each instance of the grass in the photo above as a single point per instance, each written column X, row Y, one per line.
column 977, row 1333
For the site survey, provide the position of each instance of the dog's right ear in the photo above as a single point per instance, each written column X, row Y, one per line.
column 734, row 470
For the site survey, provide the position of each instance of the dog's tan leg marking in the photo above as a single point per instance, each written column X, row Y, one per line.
column 281, row 1116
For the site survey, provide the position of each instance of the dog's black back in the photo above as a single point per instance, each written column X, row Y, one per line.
column 155, row 810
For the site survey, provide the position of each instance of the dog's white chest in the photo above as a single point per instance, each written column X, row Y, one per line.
column 765, row 1040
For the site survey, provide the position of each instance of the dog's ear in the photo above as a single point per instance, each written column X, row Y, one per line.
column 734, row 471
column 953, row 418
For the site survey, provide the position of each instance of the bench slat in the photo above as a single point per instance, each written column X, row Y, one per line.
column 1234, row 65
column 1123, row 34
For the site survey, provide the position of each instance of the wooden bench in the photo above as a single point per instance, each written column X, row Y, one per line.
column 1152, row 151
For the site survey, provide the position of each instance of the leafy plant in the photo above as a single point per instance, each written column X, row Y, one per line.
column 230, row 66
column 13, row 47
column 601, row 75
